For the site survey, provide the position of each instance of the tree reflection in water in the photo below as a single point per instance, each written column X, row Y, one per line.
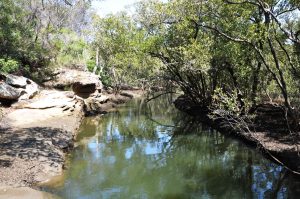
column 153, row 151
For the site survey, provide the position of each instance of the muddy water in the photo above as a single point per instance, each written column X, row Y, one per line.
column 147, row 151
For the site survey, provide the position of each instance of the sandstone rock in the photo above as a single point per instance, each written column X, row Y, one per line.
column 126, row 94
column 17, row 88
column 50, row 99
column 8, row 92
column 65, row 78
column 94, row 105
column 84, row 89
column 31, row 90
column 102, row 99
column 16, row 81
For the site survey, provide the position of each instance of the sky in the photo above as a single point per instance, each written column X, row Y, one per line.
column 111, row 6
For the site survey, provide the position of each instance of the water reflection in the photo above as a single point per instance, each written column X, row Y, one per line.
column 152, row 151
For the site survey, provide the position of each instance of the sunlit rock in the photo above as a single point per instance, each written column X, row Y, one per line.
column 8, row 92
column 17, row 81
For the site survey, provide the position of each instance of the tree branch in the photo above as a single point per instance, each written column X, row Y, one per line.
column 67, row 2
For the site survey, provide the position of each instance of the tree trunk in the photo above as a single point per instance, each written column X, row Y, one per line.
column 97, row 61
column 255, row 84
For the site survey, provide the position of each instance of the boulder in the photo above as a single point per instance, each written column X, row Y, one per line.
column 16, row 81
column 8, row 92
column 65, row 78
column 31, row 89
column 15, row 88
column 103, row 99
column 95, row 105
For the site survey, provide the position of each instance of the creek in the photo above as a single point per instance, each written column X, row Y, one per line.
column 151, row 151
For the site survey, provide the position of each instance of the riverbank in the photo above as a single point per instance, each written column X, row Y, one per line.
column 280, row 148
column 37, row 134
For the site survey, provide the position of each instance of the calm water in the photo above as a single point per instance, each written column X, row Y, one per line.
column 151, row 151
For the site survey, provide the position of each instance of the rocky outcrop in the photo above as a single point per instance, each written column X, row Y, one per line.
column 17, row 81
column 8, row 92
column 15, row 88
column 100, row 103
column 31, row 89
column 41, row 126
column 35, row 135
column 96, row 104
column 83, row 88
column 65, row 78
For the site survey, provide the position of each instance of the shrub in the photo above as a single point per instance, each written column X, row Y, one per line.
column 8, row 65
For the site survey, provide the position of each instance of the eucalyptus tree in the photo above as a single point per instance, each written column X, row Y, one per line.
column 172, row 38
column 59, row 24
column 267, row 28
column 33, row 33
column 15, row 36
column 120, row 44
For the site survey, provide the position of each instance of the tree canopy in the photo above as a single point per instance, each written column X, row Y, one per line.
column 237, row 52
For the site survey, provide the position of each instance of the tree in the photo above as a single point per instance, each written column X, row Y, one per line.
column 120, row 44
column 240, row 47
column 31, row 32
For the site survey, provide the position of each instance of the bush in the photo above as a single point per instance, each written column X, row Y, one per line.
column 90, row 65
column 9, row 65
column 105, row 79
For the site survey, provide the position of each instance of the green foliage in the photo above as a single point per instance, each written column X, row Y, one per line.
column 8, row 66
column 106, row 79
column 122, row 47
column 206, row 48
column 70, row 48
column 228, row 102
column 44, row 32
column 91, row 65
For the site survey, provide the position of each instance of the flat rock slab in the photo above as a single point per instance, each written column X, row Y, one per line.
column 35, row 135
column 52, row 109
